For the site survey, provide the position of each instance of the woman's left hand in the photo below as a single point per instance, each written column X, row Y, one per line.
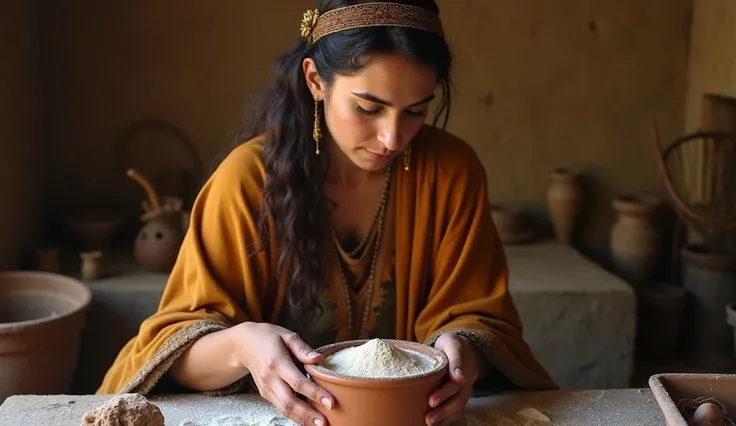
column 449, row 401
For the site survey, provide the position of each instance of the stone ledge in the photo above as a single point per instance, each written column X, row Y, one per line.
column 564, row 408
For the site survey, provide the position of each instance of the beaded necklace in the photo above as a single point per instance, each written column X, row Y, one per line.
column 378, row 217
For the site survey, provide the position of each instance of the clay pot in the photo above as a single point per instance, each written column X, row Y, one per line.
column 91, row 267
column 41, row 320
column 563, row 201
column 47, row 260
column 385, row 402
column 171, row 206
column 731, row 319
column 92, row 231
column 636, row 240
column 710, row 279
column 661, row 310
column 510, row 225
column 157, row 244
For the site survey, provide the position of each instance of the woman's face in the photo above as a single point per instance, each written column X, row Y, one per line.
column 373, row 115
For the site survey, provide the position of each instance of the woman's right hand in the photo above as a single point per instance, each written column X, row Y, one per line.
column 266, row 350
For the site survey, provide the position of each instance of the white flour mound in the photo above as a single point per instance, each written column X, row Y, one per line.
column 378, row 359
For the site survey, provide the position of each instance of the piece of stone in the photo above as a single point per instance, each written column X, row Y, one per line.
column 130, row 409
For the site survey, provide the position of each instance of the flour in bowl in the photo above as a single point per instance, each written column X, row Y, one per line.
column 378, row 360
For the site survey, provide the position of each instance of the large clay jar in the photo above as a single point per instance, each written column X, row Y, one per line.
column 636, row 239
column 41, row 320
column 710, row 280
column 385, row 402
column 563, row 202
column 731, row 320
column 661, row 309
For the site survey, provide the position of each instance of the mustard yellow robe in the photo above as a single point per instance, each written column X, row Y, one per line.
column 450, row 267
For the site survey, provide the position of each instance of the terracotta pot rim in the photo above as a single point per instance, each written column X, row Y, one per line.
column 563, row 174
column 508, row 208
column 700, row 256
column 636, row 204
column 47, row 250
column 392, row 382
column 82, row 304
column 91, row 255
column 658, row 291
column 92, row 219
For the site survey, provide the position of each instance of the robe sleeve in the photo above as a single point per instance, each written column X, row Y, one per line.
column 469, row 292
column 215, row 283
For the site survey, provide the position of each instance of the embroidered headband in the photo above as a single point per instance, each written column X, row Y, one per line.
column 377, row 14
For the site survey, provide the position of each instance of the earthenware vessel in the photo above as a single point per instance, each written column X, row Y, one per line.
column 41, row 320
column 511, row 225
column 661, row 309
column 159, row 239
column 92, row 230
column 709, row 277
column 563, row 202
column 636, row 239
column 379, row 401
column 91, row 265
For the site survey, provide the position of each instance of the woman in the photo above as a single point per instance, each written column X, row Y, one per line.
column 342, row 216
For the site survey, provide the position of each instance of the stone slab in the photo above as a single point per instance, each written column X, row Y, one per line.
column 579, row 319
column 618, row 407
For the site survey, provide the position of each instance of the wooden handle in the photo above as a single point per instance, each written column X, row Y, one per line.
column 146, row 185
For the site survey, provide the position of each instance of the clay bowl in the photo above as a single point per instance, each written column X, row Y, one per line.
column 92, row 231
column 670, row 388
column 386, row 402
column 510, row 224
column 41, row 320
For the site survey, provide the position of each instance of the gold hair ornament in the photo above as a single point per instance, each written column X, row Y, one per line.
column 309, row 19
column 375, row 14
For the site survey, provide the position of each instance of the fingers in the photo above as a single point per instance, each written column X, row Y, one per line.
column 447, row 390
column 302, row 351
column 451, row 410
column 453, row 348
column 300, row 384
column 283, row 398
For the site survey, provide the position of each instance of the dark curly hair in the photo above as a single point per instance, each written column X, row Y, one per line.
column 293, row 198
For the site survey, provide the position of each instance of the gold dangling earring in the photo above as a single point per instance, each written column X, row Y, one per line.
column 317, row 133
column 407, row 157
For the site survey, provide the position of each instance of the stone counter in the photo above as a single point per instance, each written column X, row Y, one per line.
column 578, row 318
column 625, row 407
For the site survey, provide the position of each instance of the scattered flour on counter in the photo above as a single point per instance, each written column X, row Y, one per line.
column 242, row 410
column 241, row 421
column 378, row 359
